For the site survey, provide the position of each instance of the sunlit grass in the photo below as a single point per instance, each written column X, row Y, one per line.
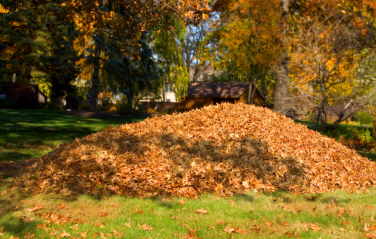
column 275, row 215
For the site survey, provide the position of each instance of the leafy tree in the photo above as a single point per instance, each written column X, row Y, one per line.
column 19, row 32
column 126, row 21
column 332, row 61
column 37, row 45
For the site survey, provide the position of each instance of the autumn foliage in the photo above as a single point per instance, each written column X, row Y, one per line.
column 224, row 149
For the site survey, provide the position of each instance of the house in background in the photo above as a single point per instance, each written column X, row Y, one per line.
column 204, row 94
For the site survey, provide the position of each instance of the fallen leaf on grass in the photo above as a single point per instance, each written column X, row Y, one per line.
column 341, row 213
column 368, row 207
column 64, row 234
column 315, row 227
column 367, row 229
column 75, row 227
column 128, row 224
column 27, row 219
column 311, row 198
column 41, row 226
column 292, row 234
column 174, row 217
column 101, row 225
column 269, row 223
column 61, row 206
column 368, row 235
column 232, row 203
column 36, row 208
column 182, row 202
column 297, row 211
column 191, row 234
column 221, row 222
column 115, row 205
column 84, row 234
column 342, row 229
column 234, row 230
column 210, row 226
column 202, row 211
column 145, row 227
column 103, row 214
column 139, row 211
column 346, row 222
column 286, row 224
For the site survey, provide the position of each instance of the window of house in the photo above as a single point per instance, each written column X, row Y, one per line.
column 168, row 87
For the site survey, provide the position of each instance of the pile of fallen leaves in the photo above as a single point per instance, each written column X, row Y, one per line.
column 225, row 149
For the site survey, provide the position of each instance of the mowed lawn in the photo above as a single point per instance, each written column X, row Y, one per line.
column 32, row 133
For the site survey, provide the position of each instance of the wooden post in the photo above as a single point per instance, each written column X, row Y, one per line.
column 14, row 77
column 249, row 93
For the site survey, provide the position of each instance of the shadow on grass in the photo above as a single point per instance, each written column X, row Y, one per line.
column 370, row 155
column 19, row 227
column 332, row 200
column 13, row 156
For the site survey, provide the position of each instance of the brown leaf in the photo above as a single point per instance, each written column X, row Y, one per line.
column 346, row 222
column 342, row 212
column 145, row 227
column 36, row 208
column 202, row 211
column 210, row 226
column 182, row 202
column 139, row 211
column 191, row 234
column 369, row 207
column 315, row 227
column 292, row 234
column 233, row 230
column 75, row 227
column 221, row 222
column 368, row 235
column 64, row 234
column 103, row 214
column 269, row 224
column 84, row 234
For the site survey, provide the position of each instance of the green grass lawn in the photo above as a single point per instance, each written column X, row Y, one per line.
column 31, row 133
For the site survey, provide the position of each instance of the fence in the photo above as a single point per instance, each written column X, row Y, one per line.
column 26, row 95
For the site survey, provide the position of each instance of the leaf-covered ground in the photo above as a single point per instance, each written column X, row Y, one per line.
column 253, row 215
column 224, row 149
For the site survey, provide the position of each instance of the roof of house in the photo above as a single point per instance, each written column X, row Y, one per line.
column 216, row 90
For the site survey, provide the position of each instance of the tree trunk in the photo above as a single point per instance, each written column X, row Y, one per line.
column 281, row 82
column 94, row 91
column 55, row 102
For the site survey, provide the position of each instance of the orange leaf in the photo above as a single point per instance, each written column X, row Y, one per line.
column 202, row 211
column 103, row 214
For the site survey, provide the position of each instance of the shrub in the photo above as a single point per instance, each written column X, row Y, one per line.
column 124, row 108
column 7, row 103
column 110, row 107
column 84, row 105
column 363, row 118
